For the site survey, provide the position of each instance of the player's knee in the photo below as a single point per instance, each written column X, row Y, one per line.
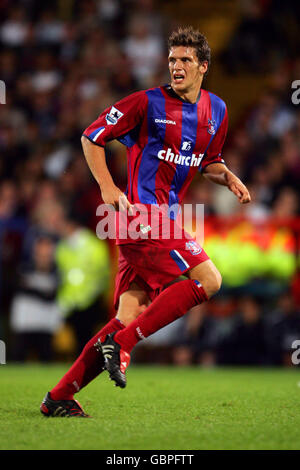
column 209, row 277
column 128, row 316
column 214, row 283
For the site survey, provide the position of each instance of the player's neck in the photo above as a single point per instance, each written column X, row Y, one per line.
column 190, row 96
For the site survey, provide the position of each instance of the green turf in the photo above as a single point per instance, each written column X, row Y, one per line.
column 161, row 409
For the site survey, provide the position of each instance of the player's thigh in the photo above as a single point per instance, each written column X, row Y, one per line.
column 208, row 275
column 132, row 303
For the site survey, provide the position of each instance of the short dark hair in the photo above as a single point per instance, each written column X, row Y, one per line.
column 191, row 37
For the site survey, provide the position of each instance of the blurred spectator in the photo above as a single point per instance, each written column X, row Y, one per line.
column 84, row 268
column 245, row 343
column 201, row 194
column 256, row 37
column 15, row 31
column 144, row 50
column 47, row 216
column 272, row 118
column 286, row 204
column 257, row 211
column 197, row 340
column 35, row 315
column 13, row 225
column 49, row 29
column 283, row 327
column 156, row 20
column 112, row 16
column 47, row 76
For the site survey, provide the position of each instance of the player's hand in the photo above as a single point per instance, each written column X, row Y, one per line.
column 235, row 185
column 116, row 198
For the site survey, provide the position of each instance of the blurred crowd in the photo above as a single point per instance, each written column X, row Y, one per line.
column 63, row 62
column 250, row 332
column 264, row 147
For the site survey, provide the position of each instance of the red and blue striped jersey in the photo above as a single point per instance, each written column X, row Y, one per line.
column 168, row 140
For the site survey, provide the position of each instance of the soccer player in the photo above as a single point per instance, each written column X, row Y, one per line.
column 170, row 132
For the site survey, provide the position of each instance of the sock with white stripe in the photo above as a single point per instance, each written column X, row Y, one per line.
column 171, row 304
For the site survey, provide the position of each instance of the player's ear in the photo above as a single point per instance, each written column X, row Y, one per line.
column 203, row 67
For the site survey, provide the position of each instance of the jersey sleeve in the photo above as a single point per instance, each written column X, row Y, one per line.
column 213, row 153
column 118, row 120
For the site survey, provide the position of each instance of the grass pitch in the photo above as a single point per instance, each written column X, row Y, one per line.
column 162, row 408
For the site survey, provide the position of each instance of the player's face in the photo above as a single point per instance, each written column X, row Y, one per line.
column 185, row 70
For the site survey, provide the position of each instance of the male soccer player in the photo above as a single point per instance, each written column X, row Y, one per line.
column 170, row 132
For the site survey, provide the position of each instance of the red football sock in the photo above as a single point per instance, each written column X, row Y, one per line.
column 171, row 304
column 86, row 367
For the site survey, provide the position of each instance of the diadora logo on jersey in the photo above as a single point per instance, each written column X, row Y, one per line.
column 187, row 145
column 188, row 160
column 165, row 121
column 113, row 116
column 211, row 127
column 193, row 247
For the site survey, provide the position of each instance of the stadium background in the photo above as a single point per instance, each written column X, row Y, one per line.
column 62, row 63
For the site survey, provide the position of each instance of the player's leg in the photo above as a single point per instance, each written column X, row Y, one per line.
column 132, row 303
column 204, row 281
column 90, row 363
column 208, row 276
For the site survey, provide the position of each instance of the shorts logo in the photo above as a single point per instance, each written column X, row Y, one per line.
column 193, row 247
column 144, row 229
column 187, row 145
column 113, row 116
column 211, row 127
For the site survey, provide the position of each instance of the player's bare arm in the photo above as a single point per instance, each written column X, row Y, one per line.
column 95, row 157
column 220, row 174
